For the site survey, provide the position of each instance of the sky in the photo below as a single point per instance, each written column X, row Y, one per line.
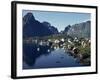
column 59, row 19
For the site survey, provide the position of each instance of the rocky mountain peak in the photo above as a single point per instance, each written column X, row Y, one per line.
column 28, row 18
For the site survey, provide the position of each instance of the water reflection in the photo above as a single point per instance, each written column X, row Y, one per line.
column 46, row 56
column 32, row 52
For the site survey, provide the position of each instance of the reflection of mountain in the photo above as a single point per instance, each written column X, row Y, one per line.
column 32, row 27
column 31, row 53
column 79, row 30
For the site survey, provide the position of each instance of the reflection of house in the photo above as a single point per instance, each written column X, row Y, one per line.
column 34, row 41
column 38, row 49
column 42, row 43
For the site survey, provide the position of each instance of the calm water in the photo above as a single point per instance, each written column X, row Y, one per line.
column 47, row 57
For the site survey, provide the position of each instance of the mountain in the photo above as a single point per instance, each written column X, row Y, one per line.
column 32, row 27
column 51, row 28
column 67, row 28
column 79, row 30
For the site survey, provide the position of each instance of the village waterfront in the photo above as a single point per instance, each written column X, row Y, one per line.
column 56, row 51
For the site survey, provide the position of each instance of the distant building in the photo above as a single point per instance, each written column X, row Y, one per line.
column 56, row 41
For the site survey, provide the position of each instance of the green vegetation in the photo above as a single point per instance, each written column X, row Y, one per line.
column 85, row 50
